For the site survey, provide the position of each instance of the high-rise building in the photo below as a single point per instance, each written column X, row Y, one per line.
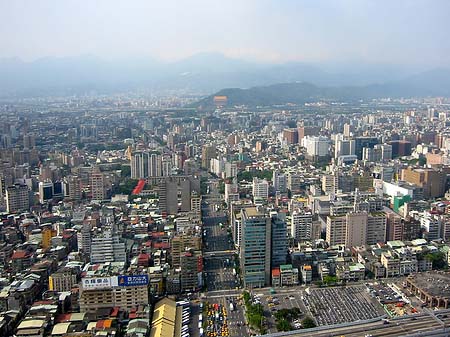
column 304, row 131
column 400, row 148
column 344, row 148
column 394, row 226
column 260, row 188
column 432, row 225
column 290, row 136
column 336, row 230
column 190, row 269
column 84, row 238
column 17, row 198
column 146, row 164
column 98, row 190
column 208, row 152
column 432, row 181
column 317, row 148
column 376, row 228
column 168, row 196
column 364, row 142
column 45, row 191
column 279, row 242
column 301, row 226
column 106, row 247
column 255, row 248
column 356, row 229
column 72, row 188
column 279, row 181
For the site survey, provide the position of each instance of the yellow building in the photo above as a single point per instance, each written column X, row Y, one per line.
column 166, row 320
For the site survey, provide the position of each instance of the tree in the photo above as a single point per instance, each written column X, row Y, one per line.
column 422, row 160
column 125, row 171
column 283, row 325
column 330, row 279
column 438, row 259
column 308, row 323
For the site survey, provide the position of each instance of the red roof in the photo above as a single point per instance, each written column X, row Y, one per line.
column 20, row 254
column 139, row 187
column 161, row 245
column 63, row 318
column 143, row 256
column 115, row 312
column 276, row 272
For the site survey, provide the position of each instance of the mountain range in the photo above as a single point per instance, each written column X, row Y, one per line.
column 207, row 73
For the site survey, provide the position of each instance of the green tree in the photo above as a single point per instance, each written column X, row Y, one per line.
column 308, row 323
column 438, row 259
column 125, row 171
column 283, row 325
column 330, row 279
column 422, row 160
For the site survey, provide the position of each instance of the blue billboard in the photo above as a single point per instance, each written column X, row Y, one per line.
column 132, row 280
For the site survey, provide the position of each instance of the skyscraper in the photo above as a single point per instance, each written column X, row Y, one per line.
column 301, row 226
column 147, row 164
column 17, row 198
column 106, row 247
column 279, row 245
column 255, row 248
column 97, row 185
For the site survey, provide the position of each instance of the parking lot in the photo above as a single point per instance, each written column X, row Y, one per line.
column 395, row 300
column 340, row 305
column 273, row 303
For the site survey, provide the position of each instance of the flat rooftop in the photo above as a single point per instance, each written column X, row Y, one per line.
column 436, row 284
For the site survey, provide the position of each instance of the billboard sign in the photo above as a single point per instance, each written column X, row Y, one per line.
column 132, row 280
column 98, row 282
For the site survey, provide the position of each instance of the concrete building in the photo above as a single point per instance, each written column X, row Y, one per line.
column 260, row 188
column 279, row 244
column 394, row 225
column 97, row 181
column 208, row 152
column 356, row 229
column 432, row 181
column 63, row 280
column 99, row 294
column 84, row 238
column 301, row 226
column 17, row 198
column 255, row 248
column 317, row 148
column 376, row 228
column 146, row 164
column 336, row 230
column 106, row 247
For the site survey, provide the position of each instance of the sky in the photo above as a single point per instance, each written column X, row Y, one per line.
column 373, row 31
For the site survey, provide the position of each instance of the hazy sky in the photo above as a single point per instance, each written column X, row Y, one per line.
column 375, row 31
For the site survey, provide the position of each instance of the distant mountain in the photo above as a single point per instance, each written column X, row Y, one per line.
column 434, row 83
column 203, row 73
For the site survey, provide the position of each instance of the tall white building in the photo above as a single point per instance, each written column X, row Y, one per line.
column 106, row 247
column 231, row 170
column 431, row 223
column 84, row 239
column 316, row 146
column 344, row 147
column 260, row 188
column 145, row 164
column 301, row 226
